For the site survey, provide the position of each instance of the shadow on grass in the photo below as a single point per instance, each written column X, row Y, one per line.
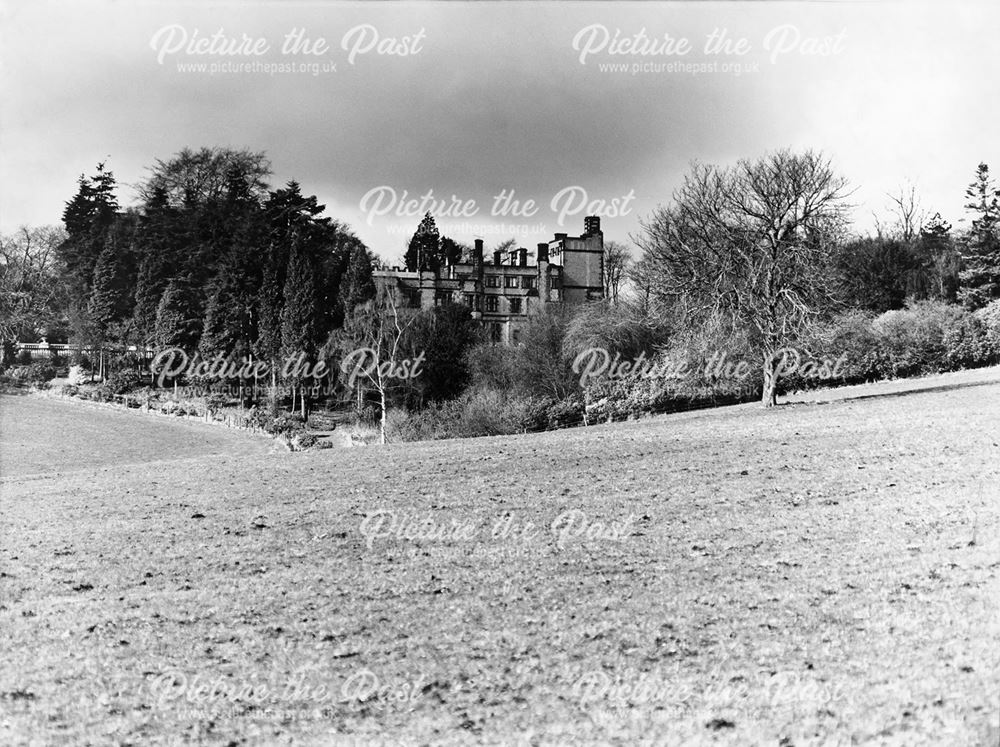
column 923, row 390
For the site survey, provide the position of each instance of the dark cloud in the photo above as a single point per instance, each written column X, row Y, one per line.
column 496, row 99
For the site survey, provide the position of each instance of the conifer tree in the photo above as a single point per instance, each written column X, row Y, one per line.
column 423, row 252
column 178, row 317
column 357, row 286
column 298, row 316
column 980, row 275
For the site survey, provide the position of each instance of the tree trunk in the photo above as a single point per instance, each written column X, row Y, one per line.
column 302, row 402
column 769, row 398
column 382, row 393
column 273, row 394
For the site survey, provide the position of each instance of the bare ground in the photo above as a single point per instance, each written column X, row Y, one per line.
column 826, row 572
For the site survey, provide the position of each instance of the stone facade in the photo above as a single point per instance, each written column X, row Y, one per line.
column 505, row 293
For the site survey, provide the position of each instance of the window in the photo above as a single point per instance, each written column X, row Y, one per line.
column 496, row 331
column 492, row 304
column 529, row 282
column 515, row 305
column 512, row 281
column 492, row 281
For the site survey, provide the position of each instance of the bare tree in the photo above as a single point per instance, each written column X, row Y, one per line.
column 617, row 260
column 642, row 281
column 372, row 341
column 905, row 209
column 749, row 247
column 29, row 279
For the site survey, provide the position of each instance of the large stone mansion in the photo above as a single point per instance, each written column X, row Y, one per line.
column 507, row 292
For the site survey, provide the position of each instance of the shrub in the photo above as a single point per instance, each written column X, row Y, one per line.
column 402, row 425
column 123, row 382
column 79, row 358
column 566, row 413
column 304, row 441
column 101, row 394
column 911, row 340
column 990, row 318
column 851, row 335
column 618, row 329
column 629, row 397
column 40, row 372
column 285, row 425
column 77, row 375
column 478, row 412
column 170, row 407
column 8, row 352
column 215, row 402
column 23, row 358
column 491, row 367
column 127, row 360
column 966, row 345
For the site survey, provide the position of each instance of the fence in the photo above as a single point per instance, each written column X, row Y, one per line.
column 40, row 351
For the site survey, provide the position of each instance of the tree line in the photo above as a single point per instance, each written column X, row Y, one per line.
column 758, row 255
column 762, row 251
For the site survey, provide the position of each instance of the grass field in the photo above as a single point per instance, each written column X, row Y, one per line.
column 819, row 573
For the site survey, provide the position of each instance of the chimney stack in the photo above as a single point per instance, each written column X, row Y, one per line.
column 591, row 225
column 497, row 258
column 477, row 258
column 522, row 257
column 513, row 257
column 543, row 253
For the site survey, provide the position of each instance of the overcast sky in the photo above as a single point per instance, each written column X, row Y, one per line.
column 493, row 97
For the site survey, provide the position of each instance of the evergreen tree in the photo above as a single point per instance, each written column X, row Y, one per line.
column 79, row 211
column 980, row 275
column 357, row 286
column 270, row 301
column 178, row 317
column 423, row 252
column 451, row 251
column 107, row 299
column 221, row 331
column 156, row 260
column 88, row 217
column 149, row 286
column 298, row 316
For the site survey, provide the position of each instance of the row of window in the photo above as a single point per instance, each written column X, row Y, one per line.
column 491, row 304
column 514, row 305
column 512, row 281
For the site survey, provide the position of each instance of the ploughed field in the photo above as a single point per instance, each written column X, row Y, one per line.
column 818, row 573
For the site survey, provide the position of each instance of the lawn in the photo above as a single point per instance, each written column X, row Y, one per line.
column 825, row 572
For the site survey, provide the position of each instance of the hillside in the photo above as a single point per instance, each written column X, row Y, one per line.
column 822, row 572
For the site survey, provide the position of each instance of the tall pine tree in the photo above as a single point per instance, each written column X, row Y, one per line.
column 298, row 317
column 980, row 275
column 357, row 286
column 423, row 253
column 178, row 317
